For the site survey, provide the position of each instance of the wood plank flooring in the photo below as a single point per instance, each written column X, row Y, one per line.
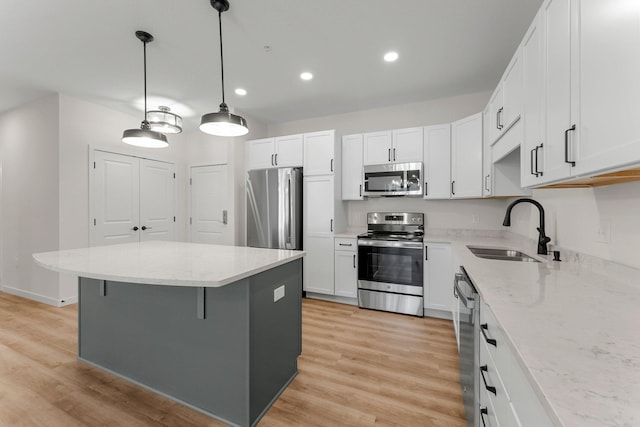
column 358, row 368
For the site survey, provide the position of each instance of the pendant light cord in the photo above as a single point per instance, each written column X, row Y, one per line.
column 221, row 57
column 144, row 50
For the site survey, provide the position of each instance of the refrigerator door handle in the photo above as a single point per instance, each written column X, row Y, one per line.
column 290, row 214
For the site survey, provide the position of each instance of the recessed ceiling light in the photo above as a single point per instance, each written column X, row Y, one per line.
column 306, row 76
column 390, row 56
column 241, row 92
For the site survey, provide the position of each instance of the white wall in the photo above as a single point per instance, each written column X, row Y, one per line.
column 30, row 205
column 579, row 213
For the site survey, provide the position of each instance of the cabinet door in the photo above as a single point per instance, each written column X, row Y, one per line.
column 437, row 162
column 377, row 148
column 495, row 110
column 346, row 277
column 557, row 89
column 466, row 157
column 289, row 151
column 318, row 234
column 487, row 163
column 605, row 73
column 157, row 200
column 407, row 145
column 319, row 153
column 512, row 92
column 261, row 153
column 352, row 167
column 533, row 105
column 438, row 274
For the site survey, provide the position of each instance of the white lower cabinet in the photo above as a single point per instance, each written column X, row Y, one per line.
column 438, row 273
column 346, row 267
column 507, row 398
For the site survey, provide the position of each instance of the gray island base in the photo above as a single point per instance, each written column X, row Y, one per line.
column 226, row 351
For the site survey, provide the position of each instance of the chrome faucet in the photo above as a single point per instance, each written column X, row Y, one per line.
column 542, row 238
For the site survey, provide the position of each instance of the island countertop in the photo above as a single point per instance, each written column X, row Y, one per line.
column 167, row 263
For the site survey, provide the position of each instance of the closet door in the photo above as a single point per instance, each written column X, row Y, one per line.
column 116, row 199
column 157, row 200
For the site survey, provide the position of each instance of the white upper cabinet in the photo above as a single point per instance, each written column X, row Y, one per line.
column 352, row 167
column 466, row 157
column 533, row 105
column 605, row 75
column 505, row 105
column 319, row 153
column 280, row 152
column 397, row 146
column 437, row 162
column 487, row 166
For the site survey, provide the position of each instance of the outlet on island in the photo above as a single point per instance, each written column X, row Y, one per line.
column 278, row 293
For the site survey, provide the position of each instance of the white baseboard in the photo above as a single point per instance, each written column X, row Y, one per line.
column 37, row 297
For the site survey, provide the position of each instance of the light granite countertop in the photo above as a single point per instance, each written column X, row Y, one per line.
column 167, row 263
column 573, row 326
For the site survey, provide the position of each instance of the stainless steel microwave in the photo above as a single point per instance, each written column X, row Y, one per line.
column 399, row 179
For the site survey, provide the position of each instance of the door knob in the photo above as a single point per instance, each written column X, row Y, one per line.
column 144, row 227
column 135, row 228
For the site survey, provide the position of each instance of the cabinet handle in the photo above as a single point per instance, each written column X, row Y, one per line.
column 354, row 260
column 276, row 159
column 531, row 161
column 500, row 126
column 566, row 145
column 452, row 192
column 490, row 388
column 331, row 165
column 486, row 186
column 360, row 190
column 483, row 328
column 332, row 225
column 346, row 244
column 538, row 172
column 483, row 411
column 394, row 154
column 426, row 253
column 426, row 188
column 272, row 164
column 389, row 150
column 144, row 227
column 135, row 228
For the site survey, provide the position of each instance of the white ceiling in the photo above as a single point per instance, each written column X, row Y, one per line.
column 87, row 49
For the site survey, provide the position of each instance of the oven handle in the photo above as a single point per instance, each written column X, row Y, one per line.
column 390, row 244
column 469, row 302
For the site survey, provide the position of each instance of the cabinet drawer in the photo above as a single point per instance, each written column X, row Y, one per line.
column 488, row 415
column 346, row 244
column 491, row 383
column 495, row 338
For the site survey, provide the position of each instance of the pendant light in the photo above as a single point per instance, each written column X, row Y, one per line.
column 144, row 137
column 164, row 121
column 223, row 123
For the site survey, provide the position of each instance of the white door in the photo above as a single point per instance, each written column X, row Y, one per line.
column 407, row 145
column 377, row 148
column 210, row 213
column 261, row 154
column 289, row 151
column 346, row 274
column 116, row 201
column 512, row 92
column 352, row 167
column 319, row 153
column 437, row 276
column 466, row 157
column 437, row 162
column 157, row 200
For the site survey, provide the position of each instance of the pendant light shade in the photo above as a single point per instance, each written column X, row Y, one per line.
column 144, row 137
column 164, row 121
column 223, row 123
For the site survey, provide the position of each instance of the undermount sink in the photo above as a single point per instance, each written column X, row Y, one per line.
column 501, row 254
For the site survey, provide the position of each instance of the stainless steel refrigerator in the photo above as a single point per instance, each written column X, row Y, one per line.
column 274, row 208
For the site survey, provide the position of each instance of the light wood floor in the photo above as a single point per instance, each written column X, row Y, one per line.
column 357, row 368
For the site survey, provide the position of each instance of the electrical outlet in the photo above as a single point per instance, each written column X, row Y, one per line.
column 604, row 232
column 278, row 293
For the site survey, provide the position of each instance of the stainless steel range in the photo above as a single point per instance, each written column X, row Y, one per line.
column 390, row 263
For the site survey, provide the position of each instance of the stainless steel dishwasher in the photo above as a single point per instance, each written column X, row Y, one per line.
column 468, row 306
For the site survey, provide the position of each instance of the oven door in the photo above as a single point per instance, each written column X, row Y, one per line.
column 390, row 266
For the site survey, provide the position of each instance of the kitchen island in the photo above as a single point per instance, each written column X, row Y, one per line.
column 217, row 328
